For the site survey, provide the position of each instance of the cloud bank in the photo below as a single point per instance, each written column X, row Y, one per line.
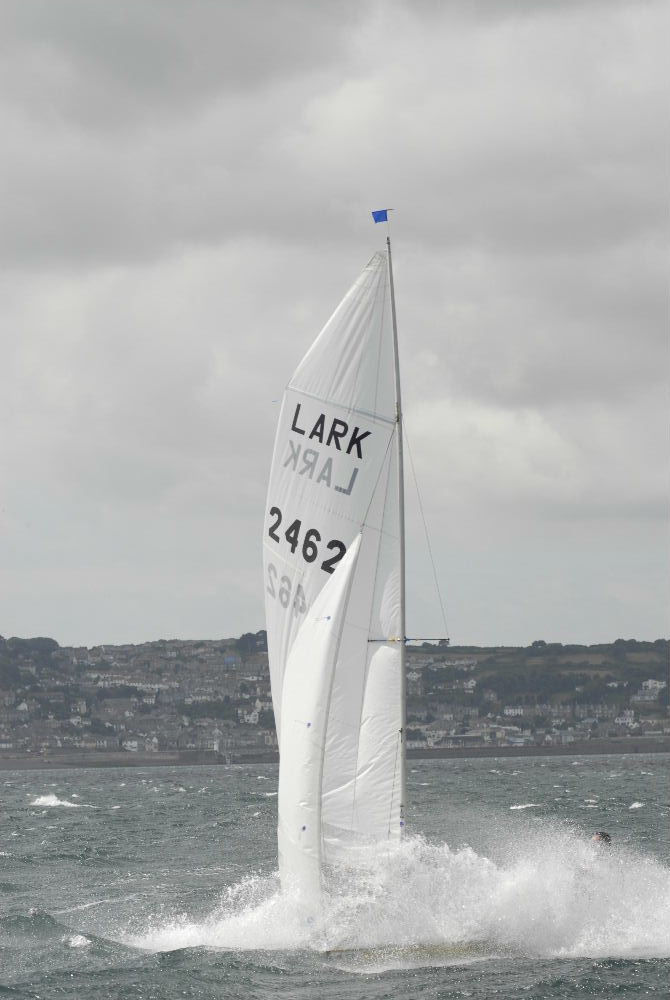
column 186, row 197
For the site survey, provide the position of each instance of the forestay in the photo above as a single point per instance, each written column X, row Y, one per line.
column 332, row 585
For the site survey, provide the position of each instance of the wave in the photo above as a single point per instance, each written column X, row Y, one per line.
column 551, row 895
column 53, row 800
column 35, row 923
column 76, row 941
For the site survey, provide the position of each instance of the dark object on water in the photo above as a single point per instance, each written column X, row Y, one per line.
column 601, row 837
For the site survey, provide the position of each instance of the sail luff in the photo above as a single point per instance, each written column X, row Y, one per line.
column 401, row 526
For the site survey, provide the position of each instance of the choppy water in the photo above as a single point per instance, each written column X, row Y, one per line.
column 161, row 883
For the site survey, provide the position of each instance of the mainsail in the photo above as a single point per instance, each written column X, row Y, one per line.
column 333, row 562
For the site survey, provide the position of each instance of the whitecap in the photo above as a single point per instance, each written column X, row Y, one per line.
column 636, row 805
column 76, row 941
column 53, row 800
column 527, row 805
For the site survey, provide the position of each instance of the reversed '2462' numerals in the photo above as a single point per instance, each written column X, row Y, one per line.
column 279, row 587
column 310, row 541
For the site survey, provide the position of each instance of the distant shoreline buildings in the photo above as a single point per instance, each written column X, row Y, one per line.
column 213, row 696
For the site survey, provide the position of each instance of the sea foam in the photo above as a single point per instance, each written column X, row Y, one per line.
column 550, row 894
column 53, row 800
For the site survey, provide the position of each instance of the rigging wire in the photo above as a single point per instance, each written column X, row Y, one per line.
column 425, row 529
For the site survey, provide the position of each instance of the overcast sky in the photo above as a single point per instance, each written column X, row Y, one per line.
column 186, row 190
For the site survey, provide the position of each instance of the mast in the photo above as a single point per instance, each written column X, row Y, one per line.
column 401, row 518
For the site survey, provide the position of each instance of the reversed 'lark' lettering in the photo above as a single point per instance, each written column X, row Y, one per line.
column 306, row 461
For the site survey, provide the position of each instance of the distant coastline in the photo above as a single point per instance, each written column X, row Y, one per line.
column 188, row 758
column 209, row 701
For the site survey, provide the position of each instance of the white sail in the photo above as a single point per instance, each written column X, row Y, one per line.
column 332, row 579
column 306, row 695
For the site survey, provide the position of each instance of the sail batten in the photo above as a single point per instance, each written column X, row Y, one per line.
column 333, row 583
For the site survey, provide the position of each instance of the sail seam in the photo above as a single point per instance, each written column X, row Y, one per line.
column 342, row 406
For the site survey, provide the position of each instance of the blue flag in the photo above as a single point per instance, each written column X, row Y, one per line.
column 381, row 215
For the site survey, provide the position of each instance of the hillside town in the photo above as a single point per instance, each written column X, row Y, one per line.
column 213, row 697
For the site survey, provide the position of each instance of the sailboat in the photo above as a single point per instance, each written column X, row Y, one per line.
column 333, row 548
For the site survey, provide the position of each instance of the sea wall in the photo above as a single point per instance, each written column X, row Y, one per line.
column 193, row 757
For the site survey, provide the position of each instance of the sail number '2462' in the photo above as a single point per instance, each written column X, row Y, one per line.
column 309, row 542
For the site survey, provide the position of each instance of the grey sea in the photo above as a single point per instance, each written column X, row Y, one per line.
column 161, row 883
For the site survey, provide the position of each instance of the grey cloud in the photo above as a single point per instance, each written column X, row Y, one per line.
column 118, row 64
column 543, row 332
column 185, row 210
column 481, row 10
column 487, row 151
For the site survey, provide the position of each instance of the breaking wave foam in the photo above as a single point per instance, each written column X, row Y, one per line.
column 553, row 895
column 53, row 800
